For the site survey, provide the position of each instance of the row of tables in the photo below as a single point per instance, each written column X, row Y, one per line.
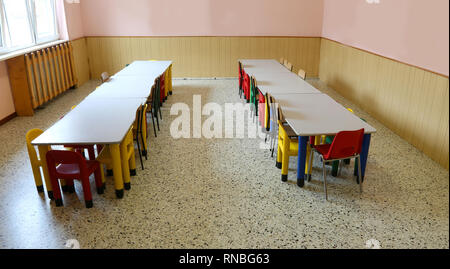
column 106, row 115
column 306, row 109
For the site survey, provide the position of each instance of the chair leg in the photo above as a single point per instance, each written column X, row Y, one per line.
column 56, row 191
column 91, row 153
column 144, row 150
column 359, row 176
column 341, row 163
column 311, row 156
column 325, row 179
column 99, row 180
column 102, row 175
column 279, row 157
column 284, row 167
column 157, row 120
column 153, row 121
column 139, row 150
column 87, row 191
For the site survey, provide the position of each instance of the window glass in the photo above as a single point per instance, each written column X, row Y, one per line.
column 45, row 19
column 18, row 20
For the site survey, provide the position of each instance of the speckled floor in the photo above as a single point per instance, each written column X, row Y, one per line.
column 227, row 193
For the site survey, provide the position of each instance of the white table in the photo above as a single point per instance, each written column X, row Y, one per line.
column 255, row 67
column 318, row 114
column 124, row 87
column 94, row 121
column 306, row 109
column 283, row 83
column 145, row 68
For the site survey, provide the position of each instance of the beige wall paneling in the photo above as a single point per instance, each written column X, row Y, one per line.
column 201, row 56
column 410, row 101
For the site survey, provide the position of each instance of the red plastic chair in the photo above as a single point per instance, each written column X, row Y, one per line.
column 262, row 109
column 346, row 145
column 240, row 80
column 247, row 87
column 69, row 165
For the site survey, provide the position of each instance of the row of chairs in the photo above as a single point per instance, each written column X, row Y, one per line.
column 335, row 150
column 74, row 163
column 301, row 73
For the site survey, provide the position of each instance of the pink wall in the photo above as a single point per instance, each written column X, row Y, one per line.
column 74, row 22
column 411, row 31
column 6, row 99
column 202, row 17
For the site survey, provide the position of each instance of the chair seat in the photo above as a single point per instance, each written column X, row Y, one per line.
column 74, row 169
column 323, row 150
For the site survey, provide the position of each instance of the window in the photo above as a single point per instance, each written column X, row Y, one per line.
column 25, row 23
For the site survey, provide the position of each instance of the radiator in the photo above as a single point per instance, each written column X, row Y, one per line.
column 40, row 76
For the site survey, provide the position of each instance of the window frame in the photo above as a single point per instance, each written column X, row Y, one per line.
column 46, row 39
column 32, row 21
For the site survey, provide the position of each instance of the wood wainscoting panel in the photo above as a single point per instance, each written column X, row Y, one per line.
column 81, row 62
column 412, row 102
column 202, row 56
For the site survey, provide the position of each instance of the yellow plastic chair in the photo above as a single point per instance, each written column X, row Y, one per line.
column 35, row 162
column 140, row 132
column 127, row 156
column 287, row 147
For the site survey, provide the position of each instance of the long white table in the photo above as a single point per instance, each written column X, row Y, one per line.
column 308, row 111
column 106, row 115
column 283, row 83
column 94, row 122
column 318, row 114
column 124, row 87
column 255, row 67
column 145, row 68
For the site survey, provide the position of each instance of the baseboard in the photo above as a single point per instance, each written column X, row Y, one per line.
column 8, row 118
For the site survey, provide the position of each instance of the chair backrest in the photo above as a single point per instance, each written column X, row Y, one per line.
column 30, row 136
column 289, row 66
column 104, row 76
column 268, row 113
column 282, row 135
column 346, row 144
column 157, row 94
column 285, row 62
column 56, row 157
column 302, row 74
column 281, row 61
column 140, row 116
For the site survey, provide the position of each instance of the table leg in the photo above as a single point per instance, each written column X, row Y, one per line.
column 364, row 155
column 125, row 164
column 302, row 147
column 117, row 169
column 42, row 155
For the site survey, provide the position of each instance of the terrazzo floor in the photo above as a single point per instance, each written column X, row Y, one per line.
column 226, row 193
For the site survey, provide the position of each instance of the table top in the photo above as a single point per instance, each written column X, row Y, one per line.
column 259, row 67
column 318, row 114
column 124, row 87
column 283, row 83
column 93, row 121
column 145, row 68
